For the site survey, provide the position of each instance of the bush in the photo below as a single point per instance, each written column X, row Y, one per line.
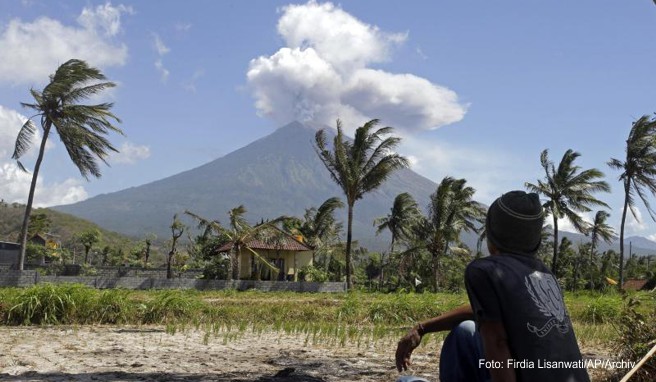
column 637, row 337
column 601, row 310
column 311, row 273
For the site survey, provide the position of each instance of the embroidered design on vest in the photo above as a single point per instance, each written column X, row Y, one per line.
column 545, row 293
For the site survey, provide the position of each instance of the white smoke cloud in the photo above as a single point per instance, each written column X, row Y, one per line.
column 32, row 50
column 323, row 74
column 130, row 153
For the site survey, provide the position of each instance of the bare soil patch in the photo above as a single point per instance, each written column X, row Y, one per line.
column 110, row 353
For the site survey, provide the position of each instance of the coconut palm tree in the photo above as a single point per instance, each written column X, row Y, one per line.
column 81, row 128
column 568, row 191
column 403, row 215
column 599, row 230
column 319, row 228
column 638, row 173
column 359, row 166
column 451, row 211
column 399, row 222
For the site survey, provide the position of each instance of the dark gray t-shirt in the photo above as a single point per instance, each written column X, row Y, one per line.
column 521, row 292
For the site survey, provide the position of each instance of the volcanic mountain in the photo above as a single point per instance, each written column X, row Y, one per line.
column 279, row 174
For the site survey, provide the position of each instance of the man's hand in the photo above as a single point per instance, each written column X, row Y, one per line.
column 405, row 347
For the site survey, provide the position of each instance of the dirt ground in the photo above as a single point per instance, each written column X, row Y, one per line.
column 109, row 353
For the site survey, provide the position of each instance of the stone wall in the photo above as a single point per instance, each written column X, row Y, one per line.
column 13, row 278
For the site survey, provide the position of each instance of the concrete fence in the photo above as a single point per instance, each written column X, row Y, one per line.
column 13, row 278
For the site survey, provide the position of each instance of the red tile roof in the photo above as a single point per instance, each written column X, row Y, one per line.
column 635, row 284
column 285, row 243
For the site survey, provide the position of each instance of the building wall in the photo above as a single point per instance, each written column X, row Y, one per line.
column 30, row 278
column 9, row 253
column 300, row 258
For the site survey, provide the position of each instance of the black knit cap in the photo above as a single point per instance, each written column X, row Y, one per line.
column 514, row 223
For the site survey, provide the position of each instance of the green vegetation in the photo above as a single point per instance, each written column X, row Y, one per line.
column 342, row 318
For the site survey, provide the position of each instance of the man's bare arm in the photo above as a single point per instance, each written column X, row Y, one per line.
column 446, row 321
column 495, row 343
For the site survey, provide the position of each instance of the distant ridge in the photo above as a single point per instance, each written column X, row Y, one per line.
column 279, row 174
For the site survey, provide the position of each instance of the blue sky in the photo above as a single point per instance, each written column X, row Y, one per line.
column 476, row 89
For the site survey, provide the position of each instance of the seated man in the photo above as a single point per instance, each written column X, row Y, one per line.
column 522, row 331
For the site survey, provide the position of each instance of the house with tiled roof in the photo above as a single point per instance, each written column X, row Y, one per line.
column 286, row 252
column 635, row 284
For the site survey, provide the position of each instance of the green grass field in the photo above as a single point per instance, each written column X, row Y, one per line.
column 335, row 318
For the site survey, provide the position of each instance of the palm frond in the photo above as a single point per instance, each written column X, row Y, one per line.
column 24, row 140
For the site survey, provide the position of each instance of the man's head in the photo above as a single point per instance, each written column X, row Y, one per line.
column 514, row 223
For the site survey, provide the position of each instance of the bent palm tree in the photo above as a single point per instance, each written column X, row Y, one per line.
column 359, row 166
column 568, row 191
column 451, row 211
column 81, row 128
column 599, row 230
column 403, row 215
column 639, row 175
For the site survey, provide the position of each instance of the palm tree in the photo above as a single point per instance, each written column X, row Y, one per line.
column 319, row 228
column 599, row 230
column 639, row 173
column 403, row 215
column 568, row 191
column 359, row 166
column 451, row 211
column 81, row 128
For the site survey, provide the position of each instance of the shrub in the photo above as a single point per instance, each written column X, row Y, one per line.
column 601, row 310
column 637, row 336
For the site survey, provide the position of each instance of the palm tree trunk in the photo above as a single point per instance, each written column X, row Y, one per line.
column 592, row 248
column 349, row 236
column 30, row 198
column 554, row 261
column 627, row 186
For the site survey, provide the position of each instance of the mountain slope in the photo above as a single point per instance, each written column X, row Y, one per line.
column 279, row 174
column 64, row 227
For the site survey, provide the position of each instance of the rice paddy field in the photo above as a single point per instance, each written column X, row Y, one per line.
column 244, row 336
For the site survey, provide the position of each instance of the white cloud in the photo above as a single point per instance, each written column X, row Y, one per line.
column 15, row 185
column 163, row 72
column 485, row 168
column 161, row 50
column 339, row 38
column 190, row 85
column 322, row 74
column 38, row 47
column 105, row 18
column 634, row 226
column 130, row 153
column 183, row 27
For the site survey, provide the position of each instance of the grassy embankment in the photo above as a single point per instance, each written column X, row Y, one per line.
column 354, row 318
